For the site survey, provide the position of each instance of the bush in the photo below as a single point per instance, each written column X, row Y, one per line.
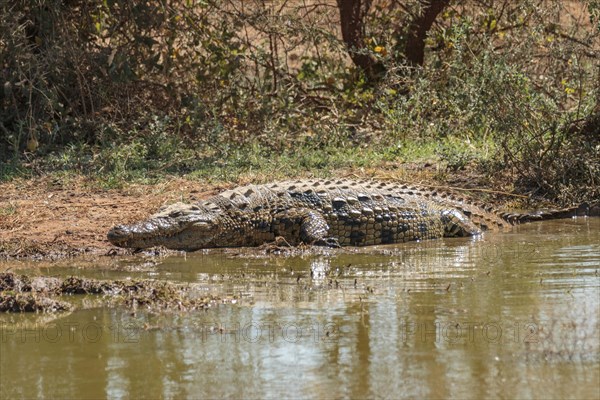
column 179, row 86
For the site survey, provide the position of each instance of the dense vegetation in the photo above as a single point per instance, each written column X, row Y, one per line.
column 137, row 90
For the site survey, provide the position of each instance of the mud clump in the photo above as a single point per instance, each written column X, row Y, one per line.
column 74, row 285
column 10, row 281
column 20, row 293
column 30, row 302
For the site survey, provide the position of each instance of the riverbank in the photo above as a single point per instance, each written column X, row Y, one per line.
column 50, row 218
column 46, row 219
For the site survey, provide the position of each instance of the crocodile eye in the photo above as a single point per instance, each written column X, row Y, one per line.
column 202, row 225
column 176, row 214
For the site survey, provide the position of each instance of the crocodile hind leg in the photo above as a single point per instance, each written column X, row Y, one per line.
column 458, row 224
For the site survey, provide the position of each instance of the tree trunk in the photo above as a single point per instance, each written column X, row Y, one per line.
column 352, row 21
column 417, row 32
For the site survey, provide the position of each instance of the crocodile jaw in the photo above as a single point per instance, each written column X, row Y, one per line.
column 181, row 226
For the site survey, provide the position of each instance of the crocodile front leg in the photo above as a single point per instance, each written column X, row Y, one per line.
column 315, row 230
column 309, row 226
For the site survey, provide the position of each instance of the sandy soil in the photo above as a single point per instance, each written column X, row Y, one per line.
column 42, row 218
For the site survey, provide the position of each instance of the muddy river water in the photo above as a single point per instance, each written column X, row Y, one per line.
column 514, row 315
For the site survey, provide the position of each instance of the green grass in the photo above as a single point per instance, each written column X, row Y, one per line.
column 114, row 166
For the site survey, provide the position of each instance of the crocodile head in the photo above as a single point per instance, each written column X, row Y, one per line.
column 178, row 226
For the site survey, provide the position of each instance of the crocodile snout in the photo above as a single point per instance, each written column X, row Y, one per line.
column 118, row 234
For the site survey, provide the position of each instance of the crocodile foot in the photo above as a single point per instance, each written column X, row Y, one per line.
column 327, row 242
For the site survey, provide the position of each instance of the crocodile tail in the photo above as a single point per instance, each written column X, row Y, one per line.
column 581, row 210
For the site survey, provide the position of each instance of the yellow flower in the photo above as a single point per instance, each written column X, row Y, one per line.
column 380, row 50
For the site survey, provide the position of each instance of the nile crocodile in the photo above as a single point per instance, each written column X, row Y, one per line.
column 319, row 212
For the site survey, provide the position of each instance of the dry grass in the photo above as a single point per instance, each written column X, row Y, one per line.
column 45, row 219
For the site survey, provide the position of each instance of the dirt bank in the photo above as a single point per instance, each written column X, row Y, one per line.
column 45, row 218
column 42, row 218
